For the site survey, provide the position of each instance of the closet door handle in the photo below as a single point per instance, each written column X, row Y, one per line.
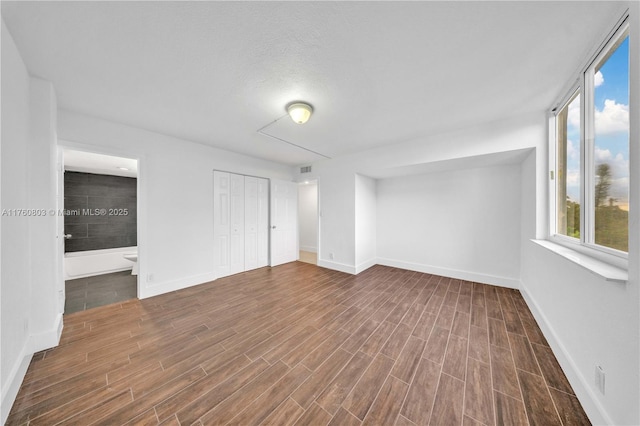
column 273, row 227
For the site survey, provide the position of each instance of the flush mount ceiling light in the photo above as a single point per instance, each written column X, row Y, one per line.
column 299, row 112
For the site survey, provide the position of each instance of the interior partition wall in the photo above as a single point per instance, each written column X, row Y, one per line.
column 240, row 223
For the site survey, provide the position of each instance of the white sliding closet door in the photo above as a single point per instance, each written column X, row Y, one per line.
column 221, row 225
column 240, row 223
column 263, row 223
column 250, row 223
column 236, row 219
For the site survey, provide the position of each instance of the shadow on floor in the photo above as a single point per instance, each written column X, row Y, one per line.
column 100, row 290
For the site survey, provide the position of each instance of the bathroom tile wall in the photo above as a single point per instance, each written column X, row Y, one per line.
column 100, row 211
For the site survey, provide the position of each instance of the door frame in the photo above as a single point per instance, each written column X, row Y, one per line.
column 141, row 203
column 316, row 182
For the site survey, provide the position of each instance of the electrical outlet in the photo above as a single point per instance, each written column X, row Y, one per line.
column 330, row 256
column 599, row 379
column 150, row 277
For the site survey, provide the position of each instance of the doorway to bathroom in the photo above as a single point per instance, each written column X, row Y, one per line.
column 99, row 223
column 308, row 221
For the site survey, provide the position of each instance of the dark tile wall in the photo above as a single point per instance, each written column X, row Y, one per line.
column 100, row 211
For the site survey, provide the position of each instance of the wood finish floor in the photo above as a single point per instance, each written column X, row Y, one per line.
column 299, row 344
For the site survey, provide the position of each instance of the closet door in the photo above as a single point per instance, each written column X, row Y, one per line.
column 221, row 224
column 250, row 223
column 236, row 218
column 263, row 223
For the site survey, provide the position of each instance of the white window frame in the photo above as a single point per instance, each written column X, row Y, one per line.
column 586, row 243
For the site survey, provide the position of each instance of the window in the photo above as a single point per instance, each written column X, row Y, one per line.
column 591, row 203
column 568, row 168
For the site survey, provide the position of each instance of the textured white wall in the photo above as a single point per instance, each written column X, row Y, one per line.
column 308, row 217
column 15, row 276
column 46, row 285
column 463, row 223
column 365, row 225
column 31, row 309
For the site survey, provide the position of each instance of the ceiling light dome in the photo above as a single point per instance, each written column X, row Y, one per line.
column 300, row 112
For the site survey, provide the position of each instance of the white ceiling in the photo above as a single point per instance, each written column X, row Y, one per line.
column 471, row 162
column 376, row 73
column 89, row 162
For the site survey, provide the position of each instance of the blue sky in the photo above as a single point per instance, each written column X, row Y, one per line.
column 612, row 127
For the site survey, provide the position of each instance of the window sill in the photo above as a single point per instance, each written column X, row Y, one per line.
column 598, row 267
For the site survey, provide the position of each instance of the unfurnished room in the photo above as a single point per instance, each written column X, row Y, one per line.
column 320, row 213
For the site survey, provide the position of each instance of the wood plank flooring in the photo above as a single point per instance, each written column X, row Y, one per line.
column 298, row 344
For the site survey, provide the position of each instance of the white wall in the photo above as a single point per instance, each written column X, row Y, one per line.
column 337, row 223
column 308, row 217
column 15, row 273
column 30, row 308
column 47, row 296
column 338, row 183
column 463, row 224
column 365, row 222
column 175, row 219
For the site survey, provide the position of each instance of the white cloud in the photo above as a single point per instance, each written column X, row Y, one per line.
column 602, row 155
column 613, row 118
column 573, row 184
column 573, row 178
column 598, row 79
column 572, row 152
column 573, row 115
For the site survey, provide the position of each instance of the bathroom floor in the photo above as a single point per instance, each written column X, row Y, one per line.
column 100, row 290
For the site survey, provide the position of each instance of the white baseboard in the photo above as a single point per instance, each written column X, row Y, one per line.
column 14, row 381
column 365, row 265
column 452, row 273
column 35, row 343
column 349, row 269
column 47, row 339
column 152, row 289
column 595, row 411
column 310, row 249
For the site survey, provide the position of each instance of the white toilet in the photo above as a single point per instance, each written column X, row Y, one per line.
column 133, row 257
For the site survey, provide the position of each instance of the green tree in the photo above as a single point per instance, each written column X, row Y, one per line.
column 603, row 173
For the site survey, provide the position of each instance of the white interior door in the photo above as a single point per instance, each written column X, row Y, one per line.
column 284, row 222
column 236, row 218
column 250, row 223
column 221, row 224
column 263, row 222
